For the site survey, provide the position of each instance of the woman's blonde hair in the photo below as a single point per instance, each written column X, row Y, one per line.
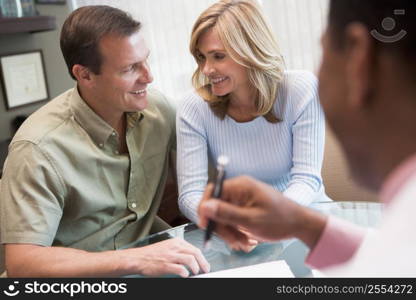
column 249, row 41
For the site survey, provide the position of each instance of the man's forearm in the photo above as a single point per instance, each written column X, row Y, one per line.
column 172, row 256
column 38, row 261
column 309, row 226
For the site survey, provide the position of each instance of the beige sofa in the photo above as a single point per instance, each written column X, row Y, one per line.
column 337, row 179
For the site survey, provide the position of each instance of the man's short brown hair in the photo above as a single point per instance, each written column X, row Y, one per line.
column 85, row 27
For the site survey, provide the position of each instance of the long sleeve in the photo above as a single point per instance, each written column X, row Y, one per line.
column 287, row 155
column 308, row 131
column 192, row 158
column 337, row 244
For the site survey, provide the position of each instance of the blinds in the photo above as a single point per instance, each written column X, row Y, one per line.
column 167, row 25
column 298, row 25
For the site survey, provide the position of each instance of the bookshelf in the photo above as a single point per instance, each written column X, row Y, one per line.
column 27, row 24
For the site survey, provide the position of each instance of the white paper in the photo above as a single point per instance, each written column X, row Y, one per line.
column 273, row 269
column 317, row 273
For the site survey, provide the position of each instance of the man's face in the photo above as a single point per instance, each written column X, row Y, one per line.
column 124, row 74
column 344, row 117
column 332, row 82
column 333, row 94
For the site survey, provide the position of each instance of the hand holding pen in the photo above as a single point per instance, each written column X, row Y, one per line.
column 221, row 163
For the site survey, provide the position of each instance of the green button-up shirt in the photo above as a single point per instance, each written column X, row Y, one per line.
column 65, row 184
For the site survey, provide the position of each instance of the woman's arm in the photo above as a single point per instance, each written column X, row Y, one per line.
column 192, row 157
column 308, row 131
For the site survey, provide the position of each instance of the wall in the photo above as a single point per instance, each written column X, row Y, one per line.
column 57, row 76
column 167, row 30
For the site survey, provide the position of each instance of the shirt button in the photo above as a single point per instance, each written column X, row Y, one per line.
column 133, row 205
column 116, row 152
column 101, row 145
column 113, row 133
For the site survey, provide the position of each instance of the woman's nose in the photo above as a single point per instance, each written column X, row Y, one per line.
column 207, row 69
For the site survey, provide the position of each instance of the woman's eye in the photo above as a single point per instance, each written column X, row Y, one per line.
column 219, row 56
column 200, row 57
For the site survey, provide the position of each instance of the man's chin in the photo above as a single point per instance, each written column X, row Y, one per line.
column 140, row 105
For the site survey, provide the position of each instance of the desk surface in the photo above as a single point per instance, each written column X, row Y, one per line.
column 292, row 251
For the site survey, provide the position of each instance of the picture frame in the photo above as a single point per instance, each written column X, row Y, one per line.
column 23, row 78
column 50, row 1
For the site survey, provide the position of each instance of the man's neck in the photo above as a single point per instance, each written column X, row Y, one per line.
column 116, row 119
column 111, row 116
column 394, row 131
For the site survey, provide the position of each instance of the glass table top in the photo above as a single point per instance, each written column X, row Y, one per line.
column 293, row 251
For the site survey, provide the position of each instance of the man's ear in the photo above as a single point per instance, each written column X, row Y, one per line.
column 82, row 74
column 359, row 65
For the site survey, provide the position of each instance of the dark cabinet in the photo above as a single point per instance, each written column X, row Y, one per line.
column 27, row 24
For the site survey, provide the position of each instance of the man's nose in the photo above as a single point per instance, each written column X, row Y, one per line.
column 145, row 74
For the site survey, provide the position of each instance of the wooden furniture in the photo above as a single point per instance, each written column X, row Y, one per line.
column 3, row 153
column 169, row 210
column 27, row 24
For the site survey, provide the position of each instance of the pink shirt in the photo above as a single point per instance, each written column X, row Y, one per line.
column 340, row 239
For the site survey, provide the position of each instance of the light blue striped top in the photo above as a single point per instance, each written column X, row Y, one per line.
column 287, row 155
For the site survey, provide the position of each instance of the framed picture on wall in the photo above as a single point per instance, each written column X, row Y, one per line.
column 51, row 1
column 23, row 78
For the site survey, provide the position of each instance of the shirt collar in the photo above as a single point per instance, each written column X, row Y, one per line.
column 133, row 118
column 98, row 129
column 397, row 178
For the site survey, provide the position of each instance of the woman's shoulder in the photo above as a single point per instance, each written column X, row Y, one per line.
column 192, row 103
column 299, row 86
column 298, row 80
column 297, row 89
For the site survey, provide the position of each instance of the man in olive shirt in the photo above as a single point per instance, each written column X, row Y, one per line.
column 85, row 173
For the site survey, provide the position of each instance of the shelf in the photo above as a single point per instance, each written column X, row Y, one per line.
column 27, row 24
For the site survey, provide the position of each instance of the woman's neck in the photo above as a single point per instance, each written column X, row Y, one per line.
column 242, row 106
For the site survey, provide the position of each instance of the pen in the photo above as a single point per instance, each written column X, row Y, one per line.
column 222, row 161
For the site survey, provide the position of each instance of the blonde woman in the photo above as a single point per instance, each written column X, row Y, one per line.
column 268, row 121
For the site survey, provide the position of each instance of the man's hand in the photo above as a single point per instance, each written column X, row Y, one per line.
column 168, row 257
column 261, row 210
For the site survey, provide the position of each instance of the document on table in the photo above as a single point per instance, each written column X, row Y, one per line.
column 317, row 273
column 273, row 269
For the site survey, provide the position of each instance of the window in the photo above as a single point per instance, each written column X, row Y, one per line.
column 167, row 25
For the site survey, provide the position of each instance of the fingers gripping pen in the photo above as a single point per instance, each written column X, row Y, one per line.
column 222, row 161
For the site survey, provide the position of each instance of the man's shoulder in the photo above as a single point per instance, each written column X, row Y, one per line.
column 158, row 100
column 43, row 122
column 160, row 104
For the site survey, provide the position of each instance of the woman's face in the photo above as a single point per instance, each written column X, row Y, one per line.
column 225, row 75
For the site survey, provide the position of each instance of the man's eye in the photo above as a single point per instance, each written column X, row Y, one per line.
column 130, row 69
